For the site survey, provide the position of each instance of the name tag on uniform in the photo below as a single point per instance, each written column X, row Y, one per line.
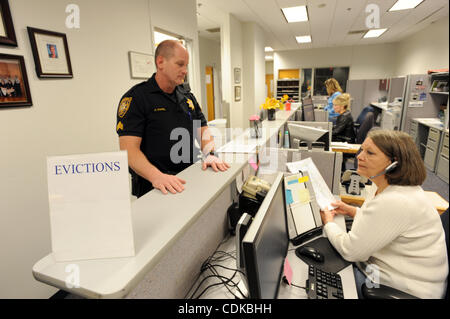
column 159, row 109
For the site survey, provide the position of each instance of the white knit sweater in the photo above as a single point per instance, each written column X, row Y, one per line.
column 400, row 233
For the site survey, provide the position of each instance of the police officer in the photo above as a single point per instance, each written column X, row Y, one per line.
column 151, row 118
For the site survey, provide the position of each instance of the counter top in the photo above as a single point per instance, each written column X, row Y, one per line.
column 158, row 222
column 431, row 122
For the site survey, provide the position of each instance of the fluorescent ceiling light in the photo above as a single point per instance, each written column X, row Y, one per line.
column 405, row 4
column 268, row 49
column 295, row 14
column 374, row 33
column 304, row 39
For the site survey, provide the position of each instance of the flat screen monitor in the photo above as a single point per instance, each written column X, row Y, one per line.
column 265, row 244
column 308, row 113
column 306, row 133
column 307, row 101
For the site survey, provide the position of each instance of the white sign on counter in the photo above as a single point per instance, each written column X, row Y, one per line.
column 89, row 202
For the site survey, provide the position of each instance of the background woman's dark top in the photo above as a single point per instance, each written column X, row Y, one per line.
column 343, row 130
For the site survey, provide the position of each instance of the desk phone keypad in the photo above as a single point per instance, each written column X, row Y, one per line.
column 323, row 285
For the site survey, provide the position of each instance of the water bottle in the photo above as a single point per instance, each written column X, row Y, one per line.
column 286, row 139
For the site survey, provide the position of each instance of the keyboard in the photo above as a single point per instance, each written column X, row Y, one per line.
column 323, row 285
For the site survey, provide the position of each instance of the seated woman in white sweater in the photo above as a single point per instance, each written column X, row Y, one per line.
column 397, row 234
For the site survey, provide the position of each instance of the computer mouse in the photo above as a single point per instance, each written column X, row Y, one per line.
column 311, row 252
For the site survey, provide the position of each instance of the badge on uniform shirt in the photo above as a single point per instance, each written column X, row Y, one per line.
column 119, row 126
column 124, row 106
column 191, row 104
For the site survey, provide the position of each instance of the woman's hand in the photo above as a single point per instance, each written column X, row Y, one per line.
column 327, row 216
column 344, row 209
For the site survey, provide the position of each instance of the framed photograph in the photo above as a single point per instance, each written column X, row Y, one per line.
column 7, row 33
column 51, row 53
column 142, row 65
column 14, row 88
column 237, row 93
column 237, row 75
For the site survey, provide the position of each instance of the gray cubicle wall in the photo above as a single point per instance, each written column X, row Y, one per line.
column 363, row 93
column 319, row 115
column 396, row 88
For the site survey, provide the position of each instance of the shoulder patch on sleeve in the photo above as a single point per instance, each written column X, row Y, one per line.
column 124, row 106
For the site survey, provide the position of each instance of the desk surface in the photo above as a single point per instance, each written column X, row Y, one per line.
column 345, row 147
column 155, row 231
column 437, row 201
column 431, row 122
column 300, row 275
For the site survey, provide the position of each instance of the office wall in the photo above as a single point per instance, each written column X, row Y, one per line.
column 365, row 62
column 231, row 58
column 269, row 67
column 424, row 50
column 254, row 64
column 210, row 56
column 180, row 17
column 68, row 116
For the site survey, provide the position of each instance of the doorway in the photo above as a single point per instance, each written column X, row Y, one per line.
column 209, row 81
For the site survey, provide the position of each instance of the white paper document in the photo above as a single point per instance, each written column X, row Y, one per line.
column 324, row 197
column 89, row 201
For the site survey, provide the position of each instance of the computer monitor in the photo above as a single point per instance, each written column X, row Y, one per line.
column 265, row 244
column 308, row 112
column 309, row 134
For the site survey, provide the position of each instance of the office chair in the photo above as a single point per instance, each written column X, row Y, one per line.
column 386, row 292
column 365, row 126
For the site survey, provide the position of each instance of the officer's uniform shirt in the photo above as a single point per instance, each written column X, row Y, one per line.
column 146, row 111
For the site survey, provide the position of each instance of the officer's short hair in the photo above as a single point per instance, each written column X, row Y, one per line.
column 166, row 49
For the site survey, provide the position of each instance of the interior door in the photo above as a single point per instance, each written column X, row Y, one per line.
column 209, row 80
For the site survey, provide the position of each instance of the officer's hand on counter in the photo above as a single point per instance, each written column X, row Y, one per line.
column 166, row 182
column 216, row 163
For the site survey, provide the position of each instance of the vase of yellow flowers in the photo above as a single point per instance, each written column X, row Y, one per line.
column 271, row 105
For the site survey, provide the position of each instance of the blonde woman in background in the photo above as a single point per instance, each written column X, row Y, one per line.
column 333, row 90
column 343, row 130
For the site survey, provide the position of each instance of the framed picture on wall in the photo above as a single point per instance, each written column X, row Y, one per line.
column 142, row 65
column 14, row 88
column 51, row 53
column 7, row 33
column 237, row 93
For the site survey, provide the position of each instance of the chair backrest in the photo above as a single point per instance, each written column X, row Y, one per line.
column 366, row 126
column 444, row 219
column 363, row 114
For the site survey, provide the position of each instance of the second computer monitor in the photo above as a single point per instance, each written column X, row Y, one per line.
column 308, row 112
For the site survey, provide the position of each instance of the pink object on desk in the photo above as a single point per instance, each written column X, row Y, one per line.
column 288, row 273
column 288, row 106
column 254, row 118
column 251, row 161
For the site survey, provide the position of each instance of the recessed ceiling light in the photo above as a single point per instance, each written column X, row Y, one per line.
column 295, row 14
column 374, row 33
column 303, row 39
column 268, row 49
column 405, row 4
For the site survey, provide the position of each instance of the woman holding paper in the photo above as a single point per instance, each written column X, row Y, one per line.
column 397, row 235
